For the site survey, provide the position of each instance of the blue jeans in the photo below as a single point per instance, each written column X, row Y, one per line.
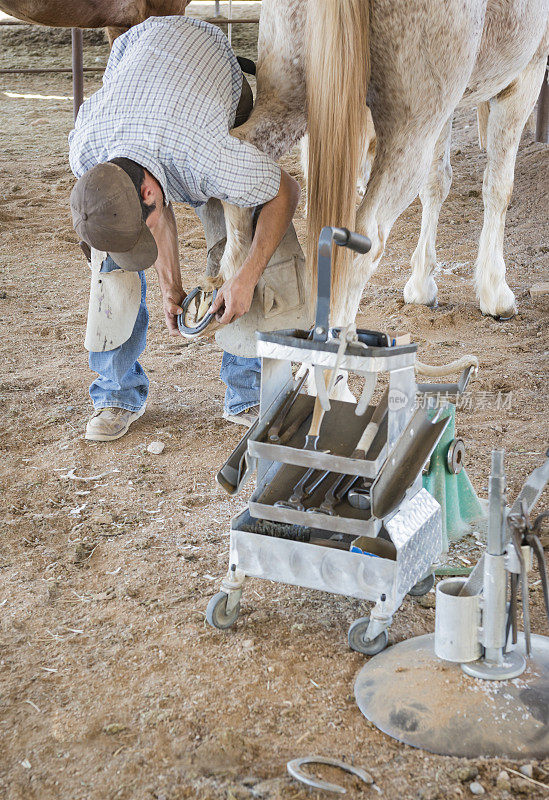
column 242, row 376
column 122, row 383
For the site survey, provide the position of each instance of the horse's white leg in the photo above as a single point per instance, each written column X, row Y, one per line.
column 400, row 169
column 421, row 287
column 278, row 119
column 509, row 111
column 238, row 222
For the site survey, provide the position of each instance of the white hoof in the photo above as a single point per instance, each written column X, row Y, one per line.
column 340, row 391
column 500, row 303
column 425, row 294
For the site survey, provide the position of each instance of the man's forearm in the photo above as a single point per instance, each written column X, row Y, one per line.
column 167, row 263
column 168, row 269
column 272, row 223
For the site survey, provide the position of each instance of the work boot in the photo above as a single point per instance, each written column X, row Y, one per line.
column 109, row 424
column 246, row 418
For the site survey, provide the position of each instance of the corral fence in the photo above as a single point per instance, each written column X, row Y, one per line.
column 78, row 69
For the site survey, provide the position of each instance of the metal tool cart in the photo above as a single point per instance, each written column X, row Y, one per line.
column 339, row 504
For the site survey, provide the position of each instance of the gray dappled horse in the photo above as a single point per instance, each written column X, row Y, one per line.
column 321, row 61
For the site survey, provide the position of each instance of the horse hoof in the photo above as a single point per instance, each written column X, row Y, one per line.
column 421, row 296
column 504, row 316
column 433, row 305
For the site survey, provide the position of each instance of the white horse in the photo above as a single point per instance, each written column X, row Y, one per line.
column 321, row 61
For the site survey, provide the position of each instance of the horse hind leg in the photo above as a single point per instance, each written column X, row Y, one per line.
column 367, row 161
column 401, row 166
column 421, row 287
column 368, row 155
column 509, row 111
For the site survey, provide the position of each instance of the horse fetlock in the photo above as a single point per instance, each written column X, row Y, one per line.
column 340, row 390
column 210, row 282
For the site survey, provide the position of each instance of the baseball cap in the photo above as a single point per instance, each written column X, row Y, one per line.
column 106, row 213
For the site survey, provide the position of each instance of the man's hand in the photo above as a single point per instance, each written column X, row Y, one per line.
column 233, row 299
column 235, row 296
column 171, row 300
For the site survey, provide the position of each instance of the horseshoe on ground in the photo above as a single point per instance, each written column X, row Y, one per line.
column 294, row 769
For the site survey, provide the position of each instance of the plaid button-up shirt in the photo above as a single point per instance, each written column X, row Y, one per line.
column 169, row 97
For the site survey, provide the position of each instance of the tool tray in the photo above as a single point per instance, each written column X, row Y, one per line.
column 337, row 448
column 293, row 461
column 349, row 520
column 360, row 356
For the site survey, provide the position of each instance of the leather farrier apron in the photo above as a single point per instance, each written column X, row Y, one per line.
column 115, row 297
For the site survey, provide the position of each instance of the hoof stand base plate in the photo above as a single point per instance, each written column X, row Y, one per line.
column 415, row 697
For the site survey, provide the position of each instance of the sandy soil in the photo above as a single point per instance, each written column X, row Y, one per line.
column 111, row 684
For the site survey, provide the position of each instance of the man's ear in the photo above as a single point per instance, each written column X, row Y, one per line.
column 147, row 193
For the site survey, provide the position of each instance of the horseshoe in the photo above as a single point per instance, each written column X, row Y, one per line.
column 202, row 324
column 294, row 769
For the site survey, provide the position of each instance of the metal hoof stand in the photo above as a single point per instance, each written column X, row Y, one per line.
column 339, row 504
column 446, row 479
column 475, row 687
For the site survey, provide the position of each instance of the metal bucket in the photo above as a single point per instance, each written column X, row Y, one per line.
column 457, row 623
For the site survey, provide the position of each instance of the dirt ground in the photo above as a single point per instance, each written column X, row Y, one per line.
column 112, row 687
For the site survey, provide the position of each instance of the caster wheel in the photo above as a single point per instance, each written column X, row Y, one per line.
column 216, row 612
column 357, row 642
column 423, row 586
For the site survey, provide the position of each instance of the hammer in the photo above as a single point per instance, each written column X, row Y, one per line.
column 299, row 492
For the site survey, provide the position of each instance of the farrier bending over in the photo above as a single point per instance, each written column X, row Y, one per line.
column 157, row 132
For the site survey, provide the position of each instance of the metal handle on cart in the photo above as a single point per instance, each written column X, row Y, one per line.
column 343, row 238
column 354, row 241
column 448, row 388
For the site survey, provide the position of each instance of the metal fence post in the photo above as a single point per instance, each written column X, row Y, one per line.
column 77, row 69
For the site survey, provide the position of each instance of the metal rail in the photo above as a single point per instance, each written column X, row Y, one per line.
column 45, row 70
column 219, row 20
column 78, row 68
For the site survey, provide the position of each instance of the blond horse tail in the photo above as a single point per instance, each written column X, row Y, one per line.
column 338, row 67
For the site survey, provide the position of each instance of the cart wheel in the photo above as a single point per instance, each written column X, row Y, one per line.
column 216, row 612
column 423, row 586
column 357, row 642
